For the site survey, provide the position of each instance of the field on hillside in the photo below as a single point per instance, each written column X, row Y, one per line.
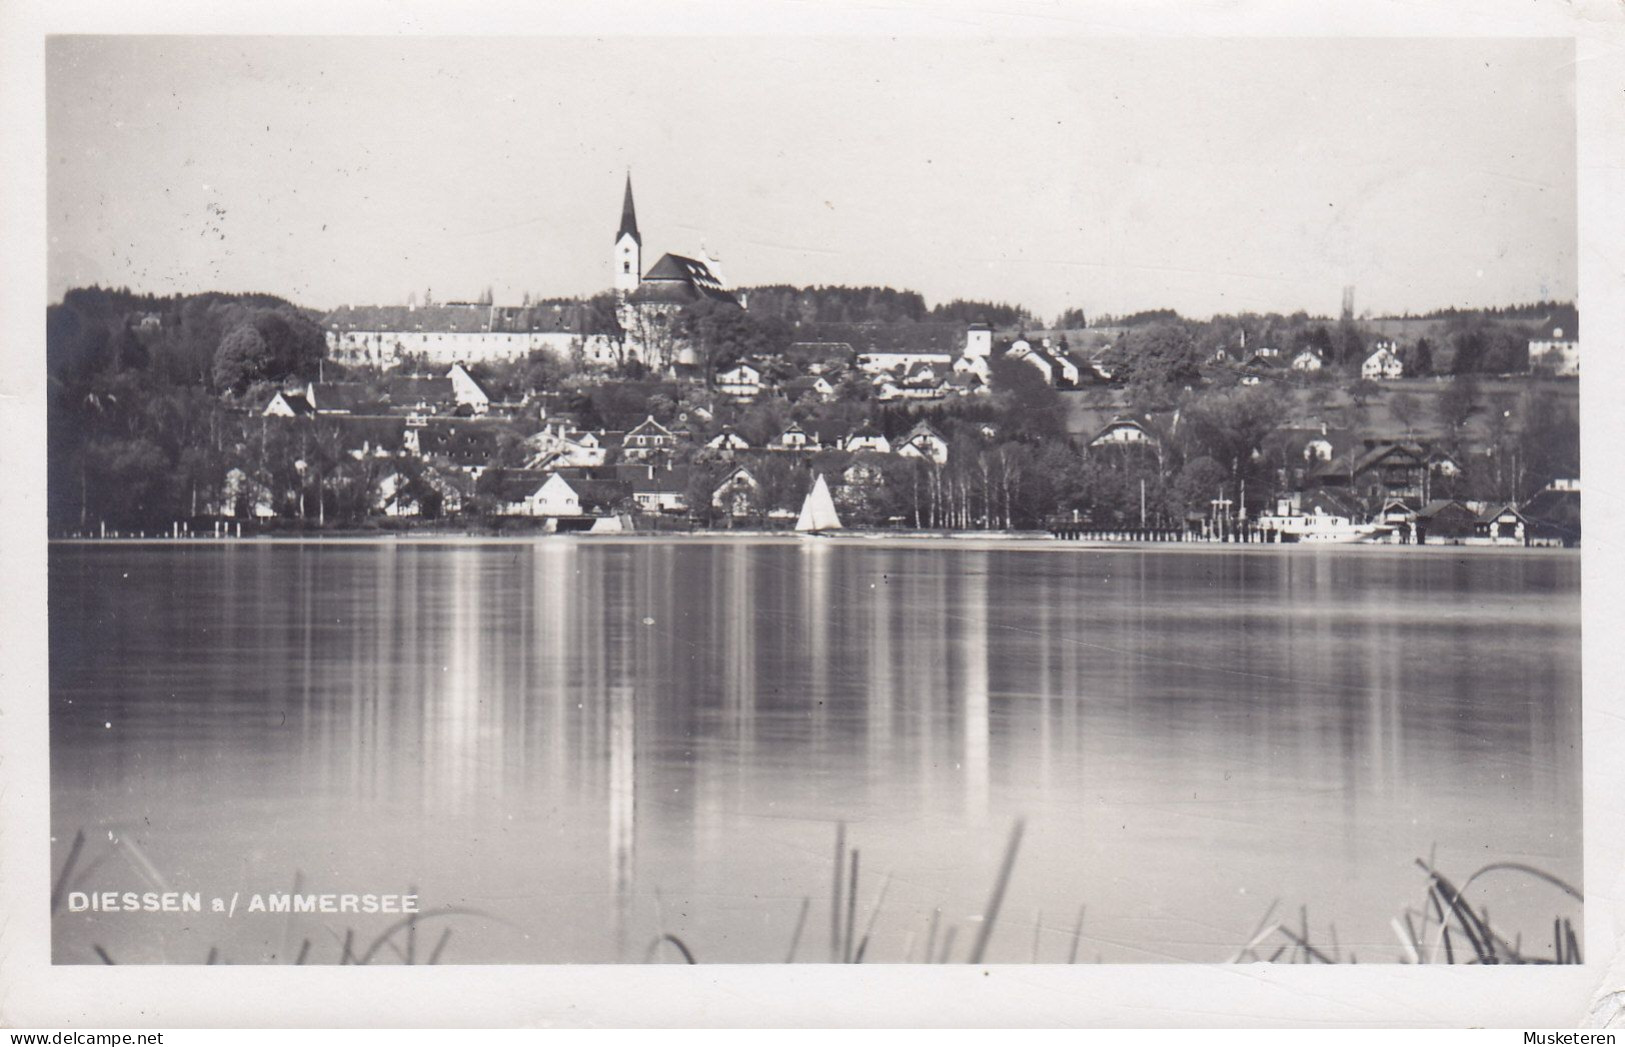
column 1088, row 410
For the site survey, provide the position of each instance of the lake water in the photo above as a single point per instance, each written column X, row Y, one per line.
column 596, row 743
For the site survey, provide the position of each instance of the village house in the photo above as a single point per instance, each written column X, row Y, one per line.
column 462, row 443
column 1319, row 447
column 1261, row 365
column 1501, row 525
column 392, row 498
column 557, row 445
column 1389, row 471
column 1056, row 366
column 976, row 365
column 370, row 436
column 1554, row 513
column 860, row 474
column 793, row 438
column 898, row 361
column 1304, row 451
column 741, row 381
column 1380, row 472
column 467, row 390
column 1399, row 520
column 925, row 442
column 866, row 438
column 527, row 493
column 727, row 443
column 648, row 439
column 897, row 348
column 656, row 488
column 395, row 497
column 284, row 404
column 518, row 492
column 911, row 388
column 1384, row 363
column 1443, row 463
column 1555, row 355
column 738, row 494
column 420, row 395
column 1308, row 361
column 813, row 387
column 825, row 358
column 1445, row 522
column 342, row 398
column 601, row 497
column 920, row 382
column 1124, row 431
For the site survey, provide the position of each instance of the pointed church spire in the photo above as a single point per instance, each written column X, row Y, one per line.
column 629, row 216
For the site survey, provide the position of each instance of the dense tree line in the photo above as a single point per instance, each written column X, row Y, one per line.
column 998, row 314
column 836, row 304
column 1564, row 314
column 1147, row 316
column 141, row 395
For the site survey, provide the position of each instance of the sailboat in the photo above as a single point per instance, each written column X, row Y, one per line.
column 818, row 511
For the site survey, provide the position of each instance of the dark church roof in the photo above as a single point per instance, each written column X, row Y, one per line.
column 629, row 216
column 676, row 278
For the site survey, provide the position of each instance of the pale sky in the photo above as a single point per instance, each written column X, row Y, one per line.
column 1115, row 174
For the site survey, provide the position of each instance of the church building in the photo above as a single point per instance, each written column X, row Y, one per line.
column 649, row 308
column 651, row 302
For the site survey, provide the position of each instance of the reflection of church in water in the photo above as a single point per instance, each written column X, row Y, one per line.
column 651, row 303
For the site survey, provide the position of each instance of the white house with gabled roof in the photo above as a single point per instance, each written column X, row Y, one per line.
column 1307, row 360
column 727, row 441
column 741, row 381
column 923, row 441
column 646, row 438
column 467, row 390
column 866, row 438
column 794, row 438
column 1384, row 363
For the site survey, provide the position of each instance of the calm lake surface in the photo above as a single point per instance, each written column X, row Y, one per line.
column 598, row 742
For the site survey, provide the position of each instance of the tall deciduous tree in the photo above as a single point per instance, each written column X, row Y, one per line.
column 241, row 359
column 1458, row 402
column 1157, row 359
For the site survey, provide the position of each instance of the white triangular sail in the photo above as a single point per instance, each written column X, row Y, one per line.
column 818, row 511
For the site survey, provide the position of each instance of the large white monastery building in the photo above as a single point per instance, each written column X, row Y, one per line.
column 382, row 335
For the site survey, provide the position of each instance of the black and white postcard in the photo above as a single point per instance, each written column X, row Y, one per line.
column 1033, row 515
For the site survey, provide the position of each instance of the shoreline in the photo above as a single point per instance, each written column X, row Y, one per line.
column 896, row 539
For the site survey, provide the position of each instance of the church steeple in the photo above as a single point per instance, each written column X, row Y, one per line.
column 629, row 215
column 628, row 245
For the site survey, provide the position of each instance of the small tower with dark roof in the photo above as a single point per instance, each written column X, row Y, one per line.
column 628, row 246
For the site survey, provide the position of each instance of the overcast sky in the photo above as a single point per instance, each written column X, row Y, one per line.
column 1203, row 175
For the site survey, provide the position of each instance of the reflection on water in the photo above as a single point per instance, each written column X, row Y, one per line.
column 602, row 742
